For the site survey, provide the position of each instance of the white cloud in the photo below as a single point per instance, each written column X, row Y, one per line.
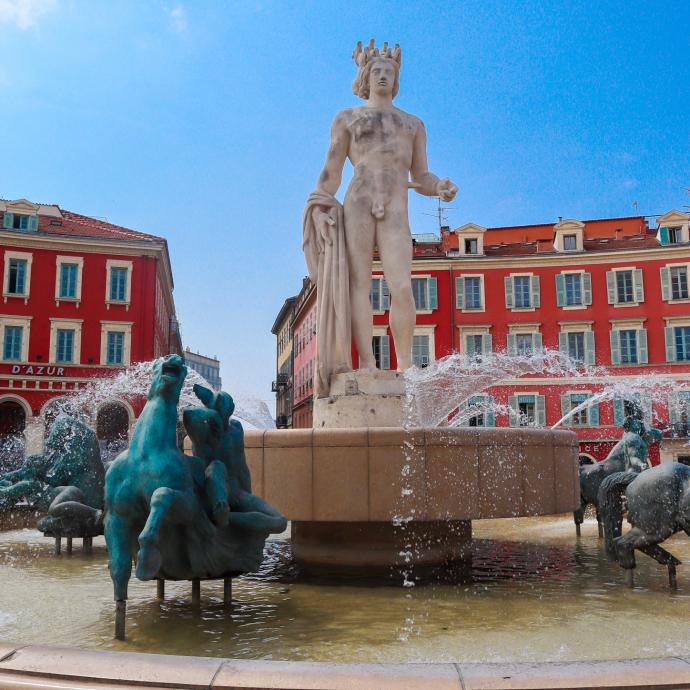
column 24, row 13
column 178, row 18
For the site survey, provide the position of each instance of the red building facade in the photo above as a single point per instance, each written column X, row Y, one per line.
column 611, row 292
column 82, row 298
column 304, row 356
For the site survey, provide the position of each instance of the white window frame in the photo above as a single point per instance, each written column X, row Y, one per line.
column 122, row 327
column 630, row 325
column 525, row 328
column 470, row 231
column 568, row 227
column 531, row 275
column 589, row 408
column 12, row 320
column 382, row 331
column 430, row 331
column 464, row 331
column 118, row 263
column 66, row 324
column 381, row 278
column 426, row 277
column 635, row 302
column 59, row 261
column 584, row 305
column 462, row 308
column 23, row 256
column 669, row 297
column 578, row 327
column 516, row 411
column 675, row 322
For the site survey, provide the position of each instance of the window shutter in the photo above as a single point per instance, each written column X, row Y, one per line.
column 536, row 292
column 33, row 223
column 669, row 333
column 508, row 284
column 563, row 342
column 512, row 344
column 385, row 295
column 618, row 412
column 642, row 355
column 540, row 410
column 586, row 288
column 433, row 293
column 646, row 404
column 459, row 292
column 490, row 415
column 665, row 273
column 663, row 235
column 593, row 415
column 487, row 343
column 8, row 220
column 372, row 292
column 673, row 416
column 513, row 414
column 385, row 352
column 611, row 286
column 565, row 404
column 560, row 290
column 615, row 348
column 536, row 342
column 463, row 412
column 639, row 286
column 590, row 355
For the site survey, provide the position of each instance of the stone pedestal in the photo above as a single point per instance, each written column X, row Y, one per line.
column 362, row 399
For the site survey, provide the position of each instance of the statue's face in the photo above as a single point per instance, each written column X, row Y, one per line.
column 382, row 77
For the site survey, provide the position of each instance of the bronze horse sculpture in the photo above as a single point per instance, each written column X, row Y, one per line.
column 158, row 512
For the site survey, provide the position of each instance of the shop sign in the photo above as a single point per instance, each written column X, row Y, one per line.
column 37, row 370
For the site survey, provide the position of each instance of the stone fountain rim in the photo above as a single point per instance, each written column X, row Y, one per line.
column 41, row 666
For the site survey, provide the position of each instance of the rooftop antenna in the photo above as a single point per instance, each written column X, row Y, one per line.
column 439, row 213
column 635, row 205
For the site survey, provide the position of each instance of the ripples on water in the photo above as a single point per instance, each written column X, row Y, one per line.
column 536, row 594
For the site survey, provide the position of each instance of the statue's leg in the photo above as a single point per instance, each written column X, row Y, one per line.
column 118, row 537
column 253, row 513
column 360, row 231
column 166, row 504
column 216, row 492
column 28, row 489
column 69, row 504
column 394, row 241
column 635, row 538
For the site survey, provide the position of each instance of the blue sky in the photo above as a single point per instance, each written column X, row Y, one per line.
column 207, row 122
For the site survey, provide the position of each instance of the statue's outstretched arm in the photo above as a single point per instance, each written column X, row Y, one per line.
column 423, row 181
column 332, row 173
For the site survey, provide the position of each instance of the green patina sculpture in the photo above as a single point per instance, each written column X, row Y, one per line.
column 67, row 480
column 183, row 517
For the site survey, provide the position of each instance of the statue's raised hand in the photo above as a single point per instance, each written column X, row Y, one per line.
column 446, row 189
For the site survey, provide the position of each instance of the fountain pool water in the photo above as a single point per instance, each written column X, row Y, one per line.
column 537, row 595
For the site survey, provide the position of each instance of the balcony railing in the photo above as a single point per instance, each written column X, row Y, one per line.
column 281, row 421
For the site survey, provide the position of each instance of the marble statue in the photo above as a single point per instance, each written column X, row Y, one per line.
column 158, row 511
column 387, row 149
column 631, row 454
column 67, row 480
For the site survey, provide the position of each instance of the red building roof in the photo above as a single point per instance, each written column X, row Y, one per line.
column 77, row 225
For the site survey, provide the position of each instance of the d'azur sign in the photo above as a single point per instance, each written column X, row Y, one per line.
column 37, row 370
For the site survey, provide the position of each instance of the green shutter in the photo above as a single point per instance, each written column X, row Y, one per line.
column 669, row 334
column 586, row 288
column 673, row 404
column 487, row 343
column 646, row 403
column 33, row 223
column 513, row 415
column 618, row 412
column 615, row 347
column 642, row 354
column 459, row 292
column 540, row 410
column 490, row 414
column 433, row 293
column 565, row 404
column 563, row 342
column 560, row 290
column 611, row 286
column 537, row 342
column 508, row 285
column 593, row 415
column 663, row 235
column 385, row 352
column 536, row 292
column 512, row 344
column 665, row 274
column 8, row 220
column 590, row 354
column 385, row 295
column 638, row 285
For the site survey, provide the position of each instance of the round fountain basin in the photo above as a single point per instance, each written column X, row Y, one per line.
column 345, row 490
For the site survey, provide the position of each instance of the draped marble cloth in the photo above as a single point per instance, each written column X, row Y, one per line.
column 329, row 271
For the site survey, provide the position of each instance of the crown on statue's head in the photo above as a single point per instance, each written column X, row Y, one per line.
column 362, row 55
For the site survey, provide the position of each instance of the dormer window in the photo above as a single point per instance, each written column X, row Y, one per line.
column 470, row 239
column 570, row 243
column 674, row 227
column 675, row 235
column 19, row 221
column 568, row 236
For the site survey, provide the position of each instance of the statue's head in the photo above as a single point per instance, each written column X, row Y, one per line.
column 221, row 402
column 379, row 70
column 168, row 376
